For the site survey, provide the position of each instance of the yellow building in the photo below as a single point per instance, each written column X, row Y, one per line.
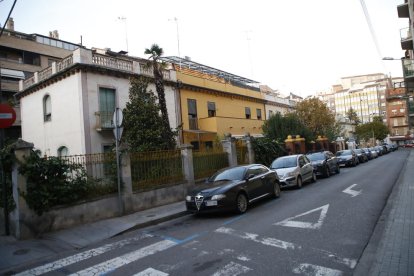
column 214, row 102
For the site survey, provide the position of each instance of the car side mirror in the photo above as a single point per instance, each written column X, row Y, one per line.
column 250, row 176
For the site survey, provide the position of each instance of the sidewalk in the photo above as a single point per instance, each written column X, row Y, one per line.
column 14, row 252
column 391, row 248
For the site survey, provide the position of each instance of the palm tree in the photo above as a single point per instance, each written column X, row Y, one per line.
column 155, row 53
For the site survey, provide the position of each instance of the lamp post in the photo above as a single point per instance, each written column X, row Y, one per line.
column 126, row 33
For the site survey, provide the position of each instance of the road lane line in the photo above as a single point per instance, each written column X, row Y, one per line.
column 80, row 256
column 316, row 270
column 151, row 272
column 232, row 269
column 113, row 264
column 254, row 237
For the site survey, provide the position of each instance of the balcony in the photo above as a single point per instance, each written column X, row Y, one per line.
column 406, row 39
column 408, row 69
column 403, row 11
column 235, row 126
column 104, row 120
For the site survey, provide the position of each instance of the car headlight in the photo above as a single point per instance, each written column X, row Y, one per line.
column 218, row 197
column 290, row 174
column 188, row 198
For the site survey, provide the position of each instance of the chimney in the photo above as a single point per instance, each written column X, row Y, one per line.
column 10, row 24
column 54, row 34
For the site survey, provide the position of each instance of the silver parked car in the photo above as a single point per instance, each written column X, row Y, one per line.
column 293, row 170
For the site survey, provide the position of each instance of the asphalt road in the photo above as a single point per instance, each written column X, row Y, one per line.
column 321, row 229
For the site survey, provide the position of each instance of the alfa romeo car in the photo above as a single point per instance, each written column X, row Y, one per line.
column 233, row 189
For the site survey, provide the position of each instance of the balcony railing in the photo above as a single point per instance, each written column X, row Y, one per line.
column 104, row 120
column 85, row 56
column 408, row 67
column 406, row 39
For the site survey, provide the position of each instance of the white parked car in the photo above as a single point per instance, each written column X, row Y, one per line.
column 293, row 170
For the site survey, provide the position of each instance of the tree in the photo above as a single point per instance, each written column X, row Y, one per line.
column 316, row 116
column 278, row 127
column 143, row 124
column 353, row 116
column 155, row 53
column 375, row 129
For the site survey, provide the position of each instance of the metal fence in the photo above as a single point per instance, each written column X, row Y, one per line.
column 151, row 170
column 205, row 163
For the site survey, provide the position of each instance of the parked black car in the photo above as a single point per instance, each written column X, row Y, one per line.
column 362, row 155
column 234, row 188
column 347, row 158
column 324, row 163
column 368, row 153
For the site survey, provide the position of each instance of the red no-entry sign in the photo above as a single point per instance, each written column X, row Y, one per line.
column 7, row 116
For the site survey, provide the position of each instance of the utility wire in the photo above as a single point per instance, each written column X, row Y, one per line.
column 11, row 10
column 372, row 31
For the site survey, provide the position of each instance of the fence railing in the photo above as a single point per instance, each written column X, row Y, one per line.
column 151, row 170
column 205, row 163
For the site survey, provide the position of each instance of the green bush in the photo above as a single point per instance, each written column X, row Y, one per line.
column 266, row 150
column 7, row 159
column 53, row 181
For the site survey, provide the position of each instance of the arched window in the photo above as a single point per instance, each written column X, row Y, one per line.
column 47, row 108
column 63, row 151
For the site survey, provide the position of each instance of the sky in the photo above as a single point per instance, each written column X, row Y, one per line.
column 297, row 46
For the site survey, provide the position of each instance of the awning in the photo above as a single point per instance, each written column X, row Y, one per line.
column 9, row 73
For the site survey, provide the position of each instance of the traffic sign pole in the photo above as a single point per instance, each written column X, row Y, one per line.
column 117, row 118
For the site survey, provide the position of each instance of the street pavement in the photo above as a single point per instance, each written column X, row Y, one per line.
column 389, row 252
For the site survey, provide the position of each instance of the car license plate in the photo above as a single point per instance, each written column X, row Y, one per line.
column 211, row 203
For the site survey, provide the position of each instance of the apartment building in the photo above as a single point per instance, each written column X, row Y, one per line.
column 21, row 55
column 405, row 88
column 214, row 103
column 275, row 102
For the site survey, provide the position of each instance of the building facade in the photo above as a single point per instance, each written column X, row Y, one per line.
column 406, row 97
column 214, row 103
column 67, row 108
column 20, row 56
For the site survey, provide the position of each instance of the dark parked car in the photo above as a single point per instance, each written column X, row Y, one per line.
column 362, row 155
column 347, row 158
column 368, row 153
column 293, row 170
column 233, row 189
column 324, row 163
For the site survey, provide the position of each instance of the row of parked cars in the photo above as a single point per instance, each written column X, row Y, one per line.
column 235, row 188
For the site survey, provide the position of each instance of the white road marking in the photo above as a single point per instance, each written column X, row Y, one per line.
column 353, row 193
column 111, row 265
column 286, row 245
column 151, row 272
column 243, row 258
column 254, row 237
column 290, row 222
column 232, row 269
column 316, row 270
column 80, row 256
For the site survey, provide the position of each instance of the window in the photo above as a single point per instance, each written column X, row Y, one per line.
column 106, row 106
column 62, row 151
column 259, row 114
column 270, row 113
column 47, row 108
column 211, row 107
column 247, row 112
column 195, row 144
column 192, row 114
column 208, row 145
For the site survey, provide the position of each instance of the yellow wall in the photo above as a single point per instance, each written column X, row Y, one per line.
column 230, row 109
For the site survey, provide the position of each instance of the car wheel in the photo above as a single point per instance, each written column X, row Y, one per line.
column 327, row 171
column 338, row 169
column 354, row 163
column 241, row 203
column 299, row 182
column 313, row 180
column 276, row 190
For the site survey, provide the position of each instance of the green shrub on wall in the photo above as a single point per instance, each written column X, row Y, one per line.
column 52, row 181
column 7, row 159
column 267, row 150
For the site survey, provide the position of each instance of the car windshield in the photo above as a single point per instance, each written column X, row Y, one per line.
column 316, row 156
column 286, row 162
column 228, row 174
column 358, row 151
column 344, row 152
